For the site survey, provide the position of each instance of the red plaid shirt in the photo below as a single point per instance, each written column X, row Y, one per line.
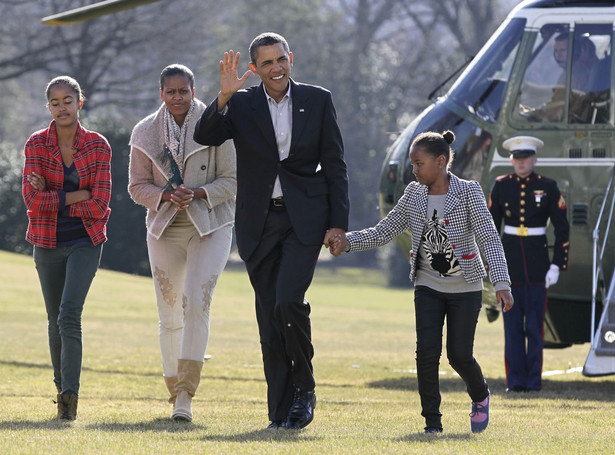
column 93, row 163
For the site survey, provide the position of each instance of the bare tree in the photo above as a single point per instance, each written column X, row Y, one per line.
column 111, row 56
column 470, row 22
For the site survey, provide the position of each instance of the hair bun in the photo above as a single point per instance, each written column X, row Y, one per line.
column 449, row 136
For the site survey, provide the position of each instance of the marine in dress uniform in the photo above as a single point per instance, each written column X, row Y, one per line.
column 523, row 202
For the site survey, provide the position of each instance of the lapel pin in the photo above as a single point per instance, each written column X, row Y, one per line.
column 301, row 110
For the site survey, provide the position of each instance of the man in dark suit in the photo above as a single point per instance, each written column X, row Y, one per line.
column 525, row 202
column 292, row 190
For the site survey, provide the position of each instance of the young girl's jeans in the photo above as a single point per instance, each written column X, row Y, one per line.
column 461, row 311
column 65, row 274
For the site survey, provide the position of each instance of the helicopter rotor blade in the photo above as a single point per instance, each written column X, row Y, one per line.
column 93, row 11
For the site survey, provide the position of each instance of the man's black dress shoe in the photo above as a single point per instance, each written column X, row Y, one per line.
column 302, row 410
column 275, row 424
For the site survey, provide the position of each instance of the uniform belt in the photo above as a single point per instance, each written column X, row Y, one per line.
column 523, row 231
column 277, row 202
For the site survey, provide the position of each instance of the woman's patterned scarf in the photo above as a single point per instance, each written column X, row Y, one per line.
column 175, row 137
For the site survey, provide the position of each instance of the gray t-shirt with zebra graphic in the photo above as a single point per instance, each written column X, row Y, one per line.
column 438, row 267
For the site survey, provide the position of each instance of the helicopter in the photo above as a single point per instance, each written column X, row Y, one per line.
column 97, row 9
column 515, row 86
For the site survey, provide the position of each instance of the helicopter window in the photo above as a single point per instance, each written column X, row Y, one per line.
column 568, row 77
column 482, row 87
column 591, row 74
column 542, row 93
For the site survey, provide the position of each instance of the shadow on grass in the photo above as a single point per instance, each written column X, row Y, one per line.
column 50, row 424
column 264, row 435
column 47, row 366
column 431, row 438
column 409, row 383
column 160, row 425
column 589, row 390
column 106, row 371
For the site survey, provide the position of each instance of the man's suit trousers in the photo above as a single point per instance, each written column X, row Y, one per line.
column 281, row 270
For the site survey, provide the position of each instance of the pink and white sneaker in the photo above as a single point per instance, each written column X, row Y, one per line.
column 479, row 417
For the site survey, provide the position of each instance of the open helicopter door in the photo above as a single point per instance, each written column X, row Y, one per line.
column 601, row 358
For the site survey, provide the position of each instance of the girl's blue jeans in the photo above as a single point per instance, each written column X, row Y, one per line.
column 65, row 274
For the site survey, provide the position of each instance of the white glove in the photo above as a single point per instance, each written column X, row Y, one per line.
column 552, row 275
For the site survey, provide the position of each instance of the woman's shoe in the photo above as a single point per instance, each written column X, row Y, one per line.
column 67, row 407
column 171, row 382
column 479, row 417
column 60, row 403
column 188, row 378
column 182, row 411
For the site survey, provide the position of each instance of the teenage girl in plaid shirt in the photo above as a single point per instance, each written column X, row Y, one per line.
column 449, row 222
column 66, row 186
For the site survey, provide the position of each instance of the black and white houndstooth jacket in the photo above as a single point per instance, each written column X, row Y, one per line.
column 468, row 224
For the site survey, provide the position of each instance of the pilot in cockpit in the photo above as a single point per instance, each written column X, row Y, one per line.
column 582, row 78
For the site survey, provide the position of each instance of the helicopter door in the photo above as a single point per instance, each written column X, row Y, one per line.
column 568, row 77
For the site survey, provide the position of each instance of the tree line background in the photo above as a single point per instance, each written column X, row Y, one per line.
column 379, row 58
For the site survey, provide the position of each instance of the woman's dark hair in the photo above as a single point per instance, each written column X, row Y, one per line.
column 436, row 144
column 69, row 82
column 176, row 70
column 266, row 39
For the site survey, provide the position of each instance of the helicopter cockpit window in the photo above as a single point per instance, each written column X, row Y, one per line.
column 542, row 93
column 591, row 74
column 481, row 89
column 568, row 82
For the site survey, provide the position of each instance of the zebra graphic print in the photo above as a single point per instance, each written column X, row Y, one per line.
column 437, row 248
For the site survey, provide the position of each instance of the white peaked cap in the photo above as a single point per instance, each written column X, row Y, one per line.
column 521, row 146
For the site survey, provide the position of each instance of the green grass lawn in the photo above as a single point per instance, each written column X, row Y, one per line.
column 368, row 403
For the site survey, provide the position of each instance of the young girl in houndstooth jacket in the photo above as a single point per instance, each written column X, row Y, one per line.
column 451, row 227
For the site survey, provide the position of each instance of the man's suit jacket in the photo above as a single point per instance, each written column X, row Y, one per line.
column 313, row 177
column 468, row 224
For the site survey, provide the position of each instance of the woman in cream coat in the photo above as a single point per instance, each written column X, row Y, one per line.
column 189, row 192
